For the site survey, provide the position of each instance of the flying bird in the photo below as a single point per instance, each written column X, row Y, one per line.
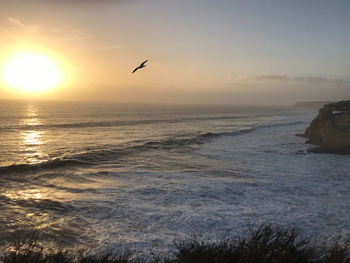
column 141, row 66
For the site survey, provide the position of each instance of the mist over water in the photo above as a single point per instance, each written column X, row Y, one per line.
column 121, row 176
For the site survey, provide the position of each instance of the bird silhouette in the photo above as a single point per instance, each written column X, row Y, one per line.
column 141, row 66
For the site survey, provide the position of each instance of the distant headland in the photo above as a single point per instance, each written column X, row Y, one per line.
column 311, row 104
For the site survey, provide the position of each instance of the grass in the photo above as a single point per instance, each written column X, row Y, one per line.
column 265, row 244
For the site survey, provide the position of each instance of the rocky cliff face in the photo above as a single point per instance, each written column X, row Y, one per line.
column 331, row 128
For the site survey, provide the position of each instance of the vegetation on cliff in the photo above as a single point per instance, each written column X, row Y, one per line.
column 266, row 244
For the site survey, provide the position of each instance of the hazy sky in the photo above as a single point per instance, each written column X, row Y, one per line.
column 200, row 51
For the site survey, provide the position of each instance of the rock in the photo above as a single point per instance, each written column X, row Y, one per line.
column 331, row 129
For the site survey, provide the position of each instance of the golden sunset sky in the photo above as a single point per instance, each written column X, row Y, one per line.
column 231, row 52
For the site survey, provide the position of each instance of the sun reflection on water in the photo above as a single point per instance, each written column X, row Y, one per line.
column 32, row 139
column 24, row 194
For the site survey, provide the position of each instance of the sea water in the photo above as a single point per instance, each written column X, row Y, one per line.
column 119, row 177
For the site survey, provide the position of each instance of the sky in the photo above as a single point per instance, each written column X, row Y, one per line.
column 200, row 51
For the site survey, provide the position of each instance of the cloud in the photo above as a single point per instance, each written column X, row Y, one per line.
column 57, row 34
column 28, row 28
column 308, row 79
column 285, row 89
column 101, row 48
column 280, row 78
column 13, row 28
column 116, row 46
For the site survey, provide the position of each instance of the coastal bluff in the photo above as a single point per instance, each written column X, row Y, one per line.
column 311, row 104
column 331, row 129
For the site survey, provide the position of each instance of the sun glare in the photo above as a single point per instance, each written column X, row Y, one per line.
column 31, row 73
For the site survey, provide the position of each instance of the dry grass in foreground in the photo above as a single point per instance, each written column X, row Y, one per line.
column 266, row 244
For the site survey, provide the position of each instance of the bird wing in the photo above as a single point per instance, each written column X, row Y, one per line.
column 135, row 69
column 143, row 63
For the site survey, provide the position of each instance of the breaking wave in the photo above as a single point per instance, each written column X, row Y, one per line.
column 93, row 157
column 118, row 123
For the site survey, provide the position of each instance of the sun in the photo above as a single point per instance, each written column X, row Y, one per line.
column 31, row 73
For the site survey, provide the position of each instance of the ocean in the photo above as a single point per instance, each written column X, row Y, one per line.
column 131, row 177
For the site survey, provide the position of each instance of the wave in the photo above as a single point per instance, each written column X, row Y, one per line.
column 116, row 123
column 94, row 156
column 51, row 164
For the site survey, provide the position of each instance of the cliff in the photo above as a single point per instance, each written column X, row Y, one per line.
column 331, row 128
